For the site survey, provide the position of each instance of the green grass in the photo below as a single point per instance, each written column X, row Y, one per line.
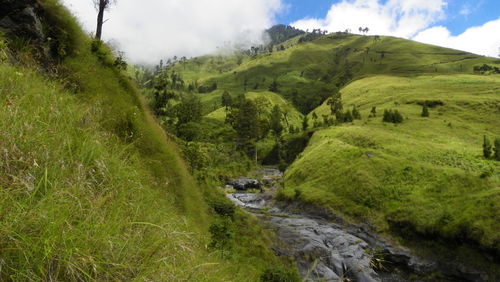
column 93, row 189
column 425, row 172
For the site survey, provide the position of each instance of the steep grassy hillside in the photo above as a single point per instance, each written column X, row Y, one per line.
column 91, row 188
column 427, row 173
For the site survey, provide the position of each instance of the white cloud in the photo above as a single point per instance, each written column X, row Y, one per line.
column 482, row 40
column 150, row 30
column 410, row 19
column 403, row 18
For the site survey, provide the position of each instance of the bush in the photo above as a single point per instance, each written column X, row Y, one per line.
column 425, row 111
column 487, row 147
column 221, row 208
column 222, row 234
column 393, row 116
column 279, row 275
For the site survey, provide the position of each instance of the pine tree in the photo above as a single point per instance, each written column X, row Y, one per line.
column 227, row 101
column 387, row 116
column 487, row 147
column 425, row 111
column 274, row 86
column 355, row 113
column 497, row 149
column 276, row 116
column 348, row 116
column 397, row 117
column 305, row 123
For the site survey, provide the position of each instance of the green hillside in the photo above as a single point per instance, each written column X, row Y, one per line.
column 428, row 172
column 92, row 188
column 425, row 175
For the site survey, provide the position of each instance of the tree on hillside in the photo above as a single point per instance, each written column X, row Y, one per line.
column 335, row 103
column 274, row 86
column 305, row 123
column 497, row 149
column 373, row 112
column 276, row 116
column 425, row 111
column 227, row 101
column 101, row 6
column 486, row 147
column 247, row 122
column 355, row 113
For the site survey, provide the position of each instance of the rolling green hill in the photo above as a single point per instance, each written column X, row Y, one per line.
column 427, row 172
column 426, row 175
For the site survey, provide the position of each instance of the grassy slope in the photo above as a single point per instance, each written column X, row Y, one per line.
column 424, row 172
column 91, row 188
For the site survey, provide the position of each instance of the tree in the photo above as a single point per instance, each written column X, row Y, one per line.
column 425, row 111
column 497, row 149
column 276, row 125
column 335, row 103
column 274, row 86
column 227, row 101
column 355, row 113
column 373, row 112
column 101, row 6
column 305, row 123
column 247, row 122
column 487, row 147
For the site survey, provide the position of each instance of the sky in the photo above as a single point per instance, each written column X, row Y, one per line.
column 150, row 30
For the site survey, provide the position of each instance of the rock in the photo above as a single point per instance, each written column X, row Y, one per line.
column 243, row 184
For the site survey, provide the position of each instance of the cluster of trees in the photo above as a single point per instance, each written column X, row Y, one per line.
column 250, row 121
column 392, row 116
column 485, row 69
column 491, row 151
column 336, row 109
column 364, row 30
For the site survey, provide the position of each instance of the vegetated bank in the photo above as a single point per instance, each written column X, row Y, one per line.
column 91, row 187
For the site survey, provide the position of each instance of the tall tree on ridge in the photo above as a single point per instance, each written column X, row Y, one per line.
column 101, row 6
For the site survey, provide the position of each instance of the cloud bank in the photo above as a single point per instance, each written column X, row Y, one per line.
column 150, row 30
column 410, row 19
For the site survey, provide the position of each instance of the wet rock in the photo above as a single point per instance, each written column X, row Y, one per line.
column 244, row 184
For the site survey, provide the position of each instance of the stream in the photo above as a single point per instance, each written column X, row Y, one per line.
column 327, row 248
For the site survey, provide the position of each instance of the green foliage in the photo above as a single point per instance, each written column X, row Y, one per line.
column 355, row 113
column 487, row 147
column 497, row 149
column 280, row 275
column 227, row 100
column 373, row 112
column 247, row 123
column 335, row 103
column 392, row 116
column 425, row 111
column 305, row 123
column 222, row 234
column 274, row 86
column 275, row 120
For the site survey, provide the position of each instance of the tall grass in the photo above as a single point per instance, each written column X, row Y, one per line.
column 91, row 187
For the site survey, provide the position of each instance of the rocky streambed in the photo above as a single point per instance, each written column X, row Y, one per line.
column 333, row 250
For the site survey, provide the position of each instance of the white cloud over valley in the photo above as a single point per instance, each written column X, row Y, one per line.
column 149, row 30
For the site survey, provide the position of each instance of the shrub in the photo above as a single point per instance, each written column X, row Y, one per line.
column 279, row 275
column 497, row 149
column 425, row 111
column 222, row 208
column 487, row 147
column 222, row 234
column 393, row 116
